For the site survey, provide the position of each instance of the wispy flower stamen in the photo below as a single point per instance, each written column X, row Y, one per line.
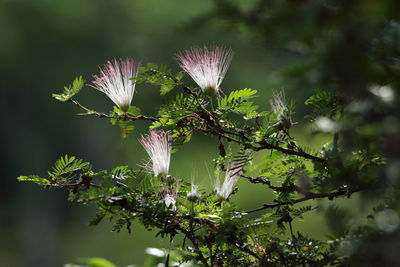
column 278, row 103
column 170, row 196
column 207, row 67
column 114, row 81
column 158, row 148
column 232, row 175
column 193, row 195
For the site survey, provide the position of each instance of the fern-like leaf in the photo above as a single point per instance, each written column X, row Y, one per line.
column 70, row 90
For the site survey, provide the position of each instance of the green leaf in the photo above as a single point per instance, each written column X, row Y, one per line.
column 155, row 124
column 99, row 262
column 135, row 111
column 237, row 102
column 167, row 87
column 97, row 219
column 158, row 75
column 323, row 103
column 179, row 76
column 68, row 168
column 117, row 110
column 34, row 178
column 251, row 115
column 119, row 116
column 126, row 129
column 70, row 90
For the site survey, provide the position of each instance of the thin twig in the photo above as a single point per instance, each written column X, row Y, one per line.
column 309, row 196
column 247, row 250
column 103, row 115
column 265, row 145
column 190, row 236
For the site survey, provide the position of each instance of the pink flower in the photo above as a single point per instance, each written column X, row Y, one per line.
column 207, row 67
column 114, row 81
column 159, row 149
column 231, row 177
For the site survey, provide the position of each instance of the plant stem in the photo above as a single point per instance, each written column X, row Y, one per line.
column 211, row 103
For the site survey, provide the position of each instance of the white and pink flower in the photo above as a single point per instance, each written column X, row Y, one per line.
column 170, row 195
column 232, row 175
column 114, row 81
column 159, row 149
column 194, row 194
column 170, row 200
column 278, row 103
column 207, row 67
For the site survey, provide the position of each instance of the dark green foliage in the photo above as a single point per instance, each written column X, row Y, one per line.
column 338, row 220
column 323, row 103
column 354, row 58
column 220, row 232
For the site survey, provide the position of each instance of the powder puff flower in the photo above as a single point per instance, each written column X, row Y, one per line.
column 278, row 103
column 207, row 67
column 193, row 195
column 170, row 201
column 280, row 108
column 159, row 149
column 170, row 195
column 114, row 81
column 231, row 177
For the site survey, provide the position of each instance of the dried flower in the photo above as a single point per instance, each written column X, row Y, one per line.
column 114, row 81
column 207, row 67
column 159, row 150
column 231, row 177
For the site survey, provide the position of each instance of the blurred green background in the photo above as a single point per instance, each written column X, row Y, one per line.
column 45, row 44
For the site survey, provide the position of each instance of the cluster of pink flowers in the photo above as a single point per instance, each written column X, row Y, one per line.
column 159, row 150
column 207, row 67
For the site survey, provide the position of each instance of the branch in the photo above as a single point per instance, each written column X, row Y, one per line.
column 247, row 250
column 190, row 236
column 213, row 121
column 262, row 180
column 103, row 115
column 308, row 196
column 265, row 145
